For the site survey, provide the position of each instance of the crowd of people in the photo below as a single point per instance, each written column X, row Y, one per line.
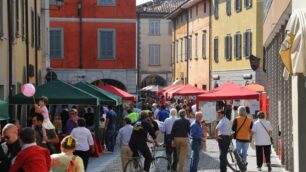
column 177, row 124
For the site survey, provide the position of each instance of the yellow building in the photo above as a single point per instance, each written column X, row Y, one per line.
column 236, row 33
column 190, row 43
column 27, row 29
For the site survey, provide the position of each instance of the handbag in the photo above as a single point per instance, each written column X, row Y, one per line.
column 271, row 139
column 235, row 134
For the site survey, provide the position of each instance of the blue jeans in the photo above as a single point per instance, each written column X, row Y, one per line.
column 195, row 154
column 242, row 148
column 110, row 139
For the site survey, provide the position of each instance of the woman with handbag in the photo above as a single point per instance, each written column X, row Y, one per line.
column 262, row 131
column 66, row 161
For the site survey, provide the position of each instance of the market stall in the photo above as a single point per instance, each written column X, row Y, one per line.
column 3, row 110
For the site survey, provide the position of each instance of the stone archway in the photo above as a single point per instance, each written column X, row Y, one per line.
column 112, row 82
column 153, row 80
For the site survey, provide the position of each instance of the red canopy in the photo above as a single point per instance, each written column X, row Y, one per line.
column 188, row 90
column 229, row 91
column 118, row 92
column 256, row 87
column 167, row 89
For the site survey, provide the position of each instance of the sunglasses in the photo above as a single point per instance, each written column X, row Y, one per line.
column 6, row 138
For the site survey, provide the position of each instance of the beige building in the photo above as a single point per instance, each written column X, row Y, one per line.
column 27, row 30
column 154, row 42
column 190, row 43
column 287, row 97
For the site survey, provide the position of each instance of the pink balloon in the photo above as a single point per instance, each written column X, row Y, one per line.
column 28, row 90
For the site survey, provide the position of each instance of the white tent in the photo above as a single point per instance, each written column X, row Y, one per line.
column 153, row 88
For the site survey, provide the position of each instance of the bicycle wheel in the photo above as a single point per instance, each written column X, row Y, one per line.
column 160, row 164
column 133, row 165
column 232, row 162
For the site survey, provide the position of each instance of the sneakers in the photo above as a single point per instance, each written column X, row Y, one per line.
column 259, row 168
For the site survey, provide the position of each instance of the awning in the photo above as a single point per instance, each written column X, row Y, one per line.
column 255, row 87
column 153, row 88
column 188, row 90
column 164, row 90
column 58, row 92
column 105, row 98
column 4, row 110
column 230, row 91
column 124, row 95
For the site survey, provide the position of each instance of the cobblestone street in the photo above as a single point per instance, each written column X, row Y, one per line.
column 209, row 161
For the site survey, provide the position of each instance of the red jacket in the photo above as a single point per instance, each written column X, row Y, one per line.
column 32, row 159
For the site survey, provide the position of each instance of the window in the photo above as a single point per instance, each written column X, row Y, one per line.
column 205, row 5
column 32, row 28
column 238, row 5
column 228, row 47
column 248, row 4
column 106, row 2
column 38, row 32
column 23, row 18
column 204, row 44
column 182, row 43
column 237, row 49
column 170, row 27
column 56, row 43
column 176, row 50
column 1, row 18
column 52, row 2
column 196, row 46
column 247, row 43
column 17, row 17
column 186, row 48
column 197, row 10
column 216, row 49
column 154, row 27
column 189, row 55
column 154, row 54
column 228, row 7
column 107, row 44
column 190, row 13
column 216, row 9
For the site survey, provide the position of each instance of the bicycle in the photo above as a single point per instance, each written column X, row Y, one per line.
column 234, row 160
column 158, row 164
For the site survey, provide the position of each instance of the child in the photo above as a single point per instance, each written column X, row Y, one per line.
column 42, row 109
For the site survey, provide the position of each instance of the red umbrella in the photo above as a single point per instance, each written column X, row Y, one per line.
column 125, row 95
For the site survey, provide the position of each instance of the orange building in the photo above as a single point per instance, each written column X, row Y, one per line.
column 94, row 40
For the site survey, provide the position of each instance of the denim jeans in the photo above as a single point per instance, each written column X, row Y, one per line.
column 195, row 154
column 224, row 144
column 242, row 148
column 110, row 139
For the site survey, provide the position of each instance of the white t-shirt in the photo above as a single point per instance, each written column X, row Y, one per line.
column 83, row 137
column 262, row 138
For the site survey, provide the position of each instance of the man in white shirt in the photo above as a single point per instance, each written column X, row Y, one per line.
column 222, row 135
column 168, row 124
column 123, row 139
column 84, row 140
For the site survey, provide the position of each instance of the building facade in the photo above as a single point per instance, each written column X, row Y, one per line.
column 287, row 97
column 154, row 42
column 236, row 34
column 190, row 43
column 94, row 41
column 21, row 34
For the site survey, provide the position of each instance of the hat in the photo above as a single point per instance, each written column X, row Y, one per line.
column 74, row 110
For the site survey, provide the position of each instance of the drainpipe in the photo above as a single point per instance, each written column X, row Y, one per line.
column 210, row 50
column 27, row 40
column 10, row 50
column 187, row 72
column 138, row 53
column 174, row 48
column 80, row 4
column 36, row 40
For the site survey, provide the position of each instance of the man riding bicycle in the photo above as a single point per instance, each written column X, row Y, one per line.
column 138, row 141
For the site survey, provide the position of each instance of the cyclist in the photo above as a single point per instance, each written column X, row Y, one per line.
column 138, row 141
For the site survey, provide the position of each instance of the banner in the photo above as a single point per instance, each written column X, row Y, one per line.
column 209, row 111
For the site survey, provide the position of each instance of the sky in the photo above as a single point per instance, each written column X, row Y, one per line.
column 141, row 1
